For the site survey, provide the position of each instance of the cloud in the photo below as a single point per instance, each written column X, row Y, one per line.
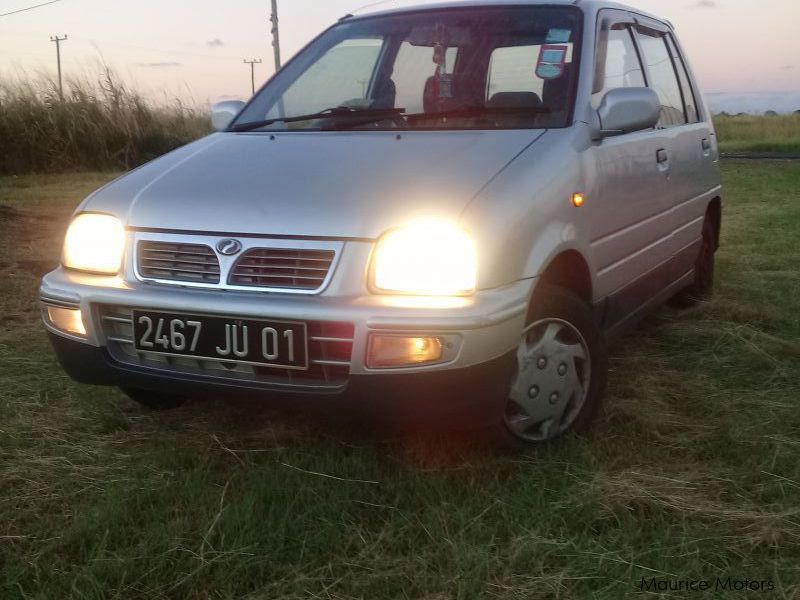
column 215, row 43
column 788, row 67
column 160, row 65
column 704, row 4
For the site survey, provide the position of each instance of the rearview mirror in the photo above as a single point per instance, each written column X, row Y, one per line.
column 223, row 113
column 625, row 110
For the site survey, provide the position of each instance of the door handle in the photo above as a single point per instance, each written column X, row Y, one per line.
column 706, row 144
column 662, row 156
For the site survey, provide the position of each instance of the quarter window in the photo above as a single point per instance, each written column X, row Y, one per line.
column 622, row 66
column 663, row 79
column 688, row 94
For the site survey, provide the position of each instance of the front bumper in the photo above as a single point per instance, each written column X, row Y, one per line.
column 458, row 397
column 484, row 330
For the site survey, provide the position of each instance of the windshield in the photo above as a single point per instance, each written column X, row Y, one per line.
column 473, row 68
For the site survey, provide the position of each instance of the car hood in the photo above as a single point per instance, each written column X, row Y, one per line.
column 348, row 185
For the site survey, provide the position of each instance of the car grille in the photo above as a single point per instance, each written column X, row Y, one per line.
column 330, row 349
column 190, row 263
column 282, row 268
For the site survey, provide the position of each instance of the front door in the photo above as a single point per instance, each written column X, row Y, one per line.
column 632, row 229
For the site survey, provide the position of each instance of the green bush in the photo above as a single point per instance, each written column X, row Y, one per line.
column 100, row 125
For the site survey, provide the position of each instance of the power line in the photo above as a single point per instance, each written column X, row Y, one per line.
column 14, row 12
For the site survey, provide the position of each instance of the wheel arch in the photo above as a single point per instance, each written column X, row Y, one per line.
column 569, row 269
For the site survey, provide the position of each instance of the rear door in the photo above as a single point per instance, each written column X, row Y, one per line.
column 688, row 142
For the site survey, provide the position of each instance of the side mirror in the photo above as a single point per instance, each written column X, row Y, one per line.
column 223, row 113
column 625, row 110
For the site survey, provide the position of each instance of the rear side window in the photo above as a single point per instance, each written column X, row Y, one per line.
column 663, row 79
column 622, row 68
column 688, row 93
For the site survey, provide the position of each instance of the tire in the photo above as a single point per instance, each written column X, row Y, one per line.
column 561, row 373
column 155, row 400
column 702, row 289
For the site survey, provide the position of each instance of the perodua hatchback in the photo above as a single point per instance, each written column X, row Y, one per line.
column 440, row 210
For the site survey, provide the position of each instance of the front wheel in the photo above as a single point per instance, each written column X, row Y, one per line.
column 562, row 368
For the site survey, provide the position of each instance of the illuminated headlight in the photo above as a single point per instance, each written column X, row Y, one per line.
column 95, row 244
column 426, row 258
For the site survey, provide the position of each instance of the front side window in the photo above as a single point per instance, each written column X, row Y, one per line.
column 663, row 79
column 621, row 67
column 468, row 68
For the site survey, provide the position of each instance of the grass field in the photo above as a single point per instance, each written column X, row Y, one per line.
column 748, row 133
column 693, row 471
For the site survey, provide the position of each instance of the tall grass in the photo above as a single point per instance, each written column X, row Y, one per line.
column 749, row 133
column 100, row 125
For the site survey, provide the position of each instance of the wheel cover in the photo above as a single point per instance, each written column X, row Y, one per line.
column 552, row 381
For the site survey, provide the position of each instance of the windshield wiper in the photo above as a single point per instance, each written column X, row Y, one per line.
column 481, row 111
column 364, row 116
column 329, row 113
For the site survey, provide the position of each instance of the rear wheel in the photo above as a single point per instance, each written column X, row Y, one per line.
column 703, row 287
column 155, row 400
column 561, row 372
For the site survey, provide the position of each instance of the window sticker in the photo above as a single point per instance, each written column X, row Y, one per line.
column 558, row 36
column 551, row 61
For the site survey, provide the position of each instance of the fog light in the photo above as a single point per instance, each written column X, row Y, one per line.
column 388, row 351
column 68, row 320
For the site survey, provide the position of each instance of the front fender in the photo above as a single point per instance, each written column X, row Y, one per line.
column 525, row 217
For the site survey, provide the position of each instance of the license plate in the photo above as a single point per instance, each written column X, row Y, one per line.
column 279, row 344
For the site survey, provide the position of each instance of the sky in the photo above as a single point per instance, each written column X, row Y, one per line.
column 746, row 53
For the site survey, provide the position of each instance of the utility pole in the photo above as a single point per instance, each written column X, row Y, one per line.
column 253, row 63
column 58, row 40
column 276, row 40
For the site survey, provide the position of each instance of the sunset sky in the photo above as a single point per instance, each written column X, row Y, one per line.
column 193, row 49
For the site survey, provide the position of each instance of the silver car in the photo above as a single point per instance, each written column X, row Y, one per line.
column 436, row 212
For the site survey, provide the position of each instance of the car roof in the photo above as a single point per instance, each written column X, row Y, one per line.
column 387, row 7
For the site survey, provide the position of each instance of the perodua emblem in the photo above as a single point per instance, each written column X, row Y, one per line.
column 229, row 247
